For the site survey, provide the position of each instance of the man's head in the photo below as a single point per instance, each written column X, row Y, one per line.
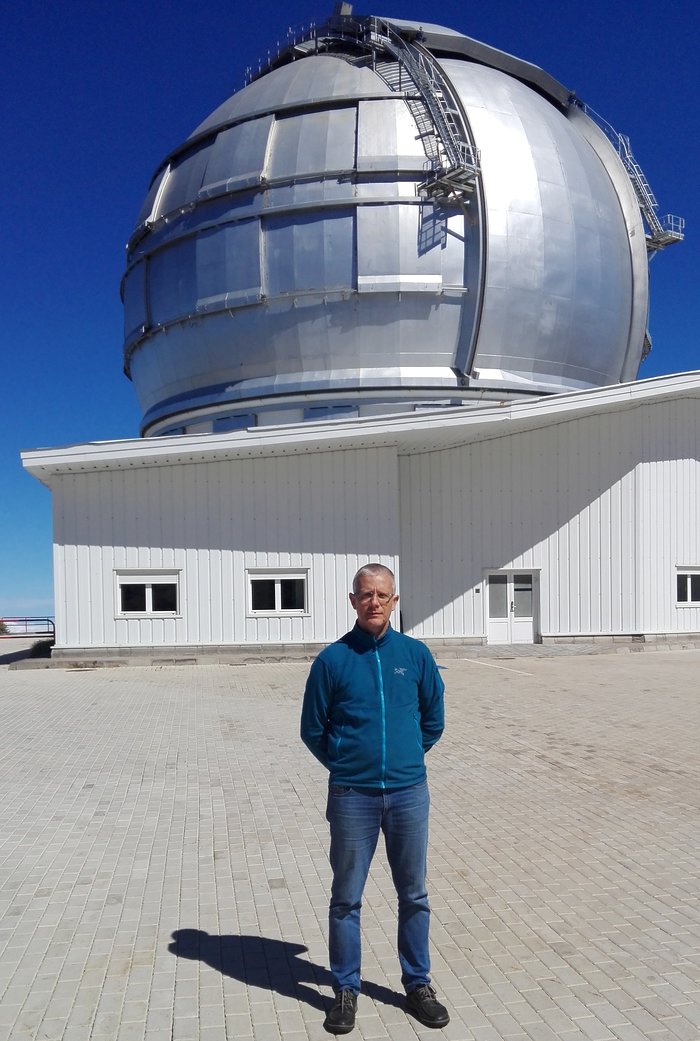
column 373, row 597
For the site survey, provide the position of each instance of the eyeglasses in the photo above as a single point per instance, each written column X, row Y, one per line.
column 383, row 598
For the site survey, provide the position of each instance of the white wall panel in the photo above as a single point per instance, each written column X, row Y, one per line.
column 668, row 483
column 605, row 508
column 325, row 513
column 530, row 502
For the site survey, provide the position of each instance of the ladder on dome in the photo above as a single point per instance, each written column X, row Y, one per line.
column 454, row 165
column 453, row 173
column 663, row 231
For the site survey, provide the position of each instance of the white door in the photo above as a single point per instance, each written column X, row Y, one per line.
column 511, row 607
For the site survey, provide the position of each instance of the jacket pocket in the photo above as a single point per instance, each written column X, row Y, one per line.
column 335, row 741
column 419, row 733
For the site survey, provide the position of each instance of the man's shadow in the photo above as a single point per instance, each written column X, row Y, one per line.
column 272, row 965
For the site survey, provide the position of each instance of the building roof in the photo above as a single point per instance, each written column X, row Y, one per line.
column 410, row 433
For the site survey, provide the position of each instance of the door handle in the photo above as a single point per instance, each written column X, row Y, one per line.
column 512, row 607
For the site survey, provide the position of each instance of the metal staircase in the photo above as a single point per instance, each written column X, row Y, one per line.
column 662, row 231
column 454, row 164
column 453, row 161
column 398, row 78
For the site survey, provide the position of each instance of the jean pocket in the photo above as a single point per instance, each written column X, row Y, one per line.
column 339, row 789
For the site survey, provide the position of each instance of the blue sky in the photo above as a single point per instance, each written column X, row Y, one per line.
column 94, row 94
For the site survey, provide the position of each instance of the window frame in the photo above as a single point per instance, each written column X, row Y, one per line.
column 147, row 577
column 688, row 573
column 278, row 575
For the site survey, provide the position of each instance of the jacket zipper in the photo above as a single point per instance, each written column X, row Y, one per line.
column 382, row 783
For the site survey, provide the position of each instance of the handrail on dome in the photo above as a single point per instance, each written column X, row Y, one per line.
column 453, row 173
column 663, row 231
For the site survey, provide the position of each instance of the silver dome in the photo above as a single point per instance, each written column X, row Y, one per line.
column 301, row 252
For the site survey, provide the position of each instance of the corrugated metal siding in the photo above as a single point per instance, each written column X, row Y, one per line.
column 669, row 509
column 604, row 508
column 326, row 513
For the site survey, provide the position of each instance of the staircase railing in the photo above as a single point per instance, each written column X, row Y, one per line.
column 455, row 172
column 662, row 230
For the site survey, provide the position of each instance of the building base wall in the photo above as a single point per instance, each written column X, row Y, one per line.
column 567, row 519
column 443, row 649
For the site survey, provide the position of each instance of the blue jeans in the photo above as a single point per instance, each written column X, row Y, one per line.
column 356, row 818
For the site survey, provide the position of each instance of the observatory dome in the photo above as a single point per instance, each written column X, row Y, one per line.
column 388, row 217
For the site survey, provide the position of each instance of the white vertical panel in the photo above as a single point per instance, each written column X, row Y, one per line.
column 668, row 484
column 216, row 554
column 226, row 524
column 324, row 512
column 605, row 508
column 61, row 534
column 74, row 523
column 559, row 500
column 105, row 562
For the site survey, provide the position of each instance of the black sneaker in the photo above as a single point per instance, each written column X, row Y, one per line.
column 341, row 1015
column 423, row 1004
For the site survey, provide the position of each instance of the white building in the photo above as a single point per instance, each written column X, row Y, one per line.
column 574, row 516
column 384, row 304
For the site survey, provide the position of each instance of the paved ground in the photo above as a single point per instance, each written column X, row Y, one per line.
column 163, row 870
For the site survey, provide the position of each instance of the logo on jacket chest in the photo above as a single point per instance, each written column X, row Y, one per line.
column 399, row 670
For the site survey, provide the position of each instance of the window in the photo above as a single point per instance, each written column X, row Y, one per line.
column 330, row 411
column 498, row 596
column 522, row 596
column 239, row 422
column 278, row 592
column 147, row 592
column 688, row 587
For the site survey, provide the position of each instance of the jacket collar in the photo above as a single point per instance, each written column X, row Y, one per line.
column 366, row 642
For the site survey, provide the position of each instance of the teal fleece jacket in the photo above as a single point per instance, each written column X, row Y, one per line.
column 372, row 709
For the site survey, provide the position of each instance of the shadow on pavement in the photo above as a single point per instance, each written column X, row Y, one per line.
column 18, row 648
column 273, row 965
column 7, row 659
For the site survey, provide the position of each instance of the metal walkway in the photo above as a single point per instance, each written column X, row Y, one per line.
column 662, row 231
column 455, row 164
column 453, row 161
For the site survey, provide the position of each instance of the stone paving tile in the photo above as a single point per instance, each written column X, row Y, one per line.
column 164, row 875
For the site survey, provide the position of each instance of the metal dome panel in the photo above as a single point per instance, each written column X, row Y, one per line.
column 285, row 256
column 557, row 299
column 292, row 86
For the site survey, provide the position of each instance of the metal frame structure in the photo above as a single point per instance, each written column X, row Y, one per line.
column 571, row 490
column 454, row 172
column 662, row 231
column 456, row 163
column 390, row 216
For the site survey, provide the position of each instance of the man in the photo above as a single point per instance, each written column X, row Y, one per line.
column 373, row 706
